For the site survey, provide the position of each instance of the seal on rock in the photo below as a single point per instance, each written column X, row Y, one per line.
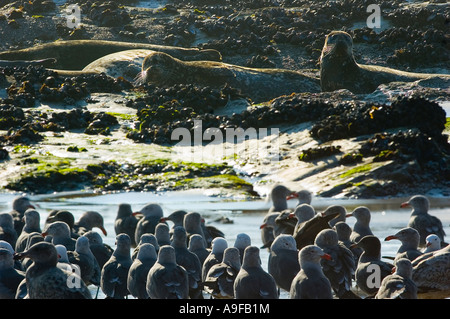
column 76, row 54
column 164, row 70
column 339, row 70
column 260, row 84
column 174, row 66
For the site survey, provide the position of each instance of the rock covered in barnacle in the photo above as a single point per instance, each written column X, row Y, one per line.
column 150, row 175
column 25, row 126
column 34, row 84
column 259, row 61
column 200, row 99
column 104, row 13
column 407, row 145
column 101, row 124
column 24, row 135
column 367, row 118
column 312, row 154
column 11, row 116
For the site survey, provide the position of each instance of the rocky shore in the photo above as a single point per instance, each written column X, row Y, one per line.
column 102, row 134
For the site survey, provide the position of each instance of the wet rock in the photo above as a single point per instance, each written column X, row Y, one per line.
column 11, row 116
column 37, row 83
column 141, row 35
column 351, row 158
column 126, row 34
column 39, row 6
column 405, row 146
column 169, row 9
column 77, row 33
column 113, row 176
column 74, row 119
column 108, row 14
column 372, row 189
column 101, row 124
column 259, row 61
column 361, row 119
column 419, row 17
column 13, row 24
column 4, row 154
column 52, row 180
column 76, row 149
column 312, row 154
column 157, row 122
column 23, row 96
column 200, row 99
column 25, row 135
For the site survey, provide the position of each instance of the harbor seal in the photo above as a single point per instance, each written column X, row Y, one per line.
column 260, row 84
column 174, row 66
column 76, row 54
column 339, row 70
column 164, row 70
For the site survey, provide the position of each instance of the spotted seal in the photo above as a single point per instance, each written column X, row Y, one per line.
column 164, row 70
column 339, row 70
column 76, row 54
column 260, row 84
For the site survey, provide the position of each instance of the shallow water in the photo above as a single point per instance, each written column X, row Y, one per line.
column 387, row 217
column 151, row 4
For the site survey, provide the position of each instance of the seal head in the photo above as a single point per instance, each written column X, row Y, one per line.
column 339, row 70
column 163, row 69
column 160, row 68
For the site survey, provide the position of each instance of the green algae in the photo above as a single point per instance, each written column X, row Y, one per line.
column 19, row 148
column 51, row 179
column 356, row 170
column 55, row 175
column 122, row 116
column 227, row 181
column 385, row 155
column 312, row 154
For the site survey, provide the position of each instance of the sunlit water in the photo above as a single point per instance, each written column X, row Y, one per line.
column 247, row 216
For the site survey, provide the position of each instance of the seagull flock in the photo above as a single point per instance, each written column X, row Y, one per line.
column 312, row 255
